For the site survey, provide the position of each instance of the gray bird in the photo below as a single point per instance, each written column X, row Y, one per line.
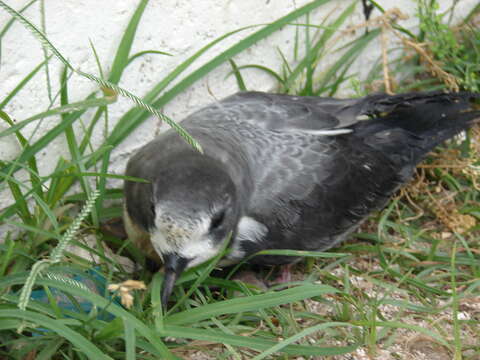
column 279, row 172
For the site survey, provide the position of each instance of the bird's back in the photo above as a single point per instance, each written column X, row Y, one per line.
column 319, row 166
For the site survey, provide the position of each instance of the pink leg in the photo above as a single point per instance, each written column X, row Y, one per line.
column 285, row 275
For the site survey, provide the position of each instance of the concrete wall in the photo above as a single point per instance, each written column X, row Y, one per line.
column 180, row 27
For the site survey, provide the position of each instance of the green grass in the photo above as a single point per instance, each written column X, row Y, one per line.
column 402, row 284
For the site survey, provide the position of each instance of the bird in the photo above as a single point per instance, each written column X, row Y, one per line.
column 279, row 172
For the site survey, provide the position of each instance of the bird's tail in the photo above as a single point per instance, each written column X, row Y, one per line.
column 407, row 126
column 433, row 117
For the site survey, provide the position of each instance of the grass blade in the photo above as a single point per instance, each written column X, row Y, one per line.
column 238, row 76
column 261, row 68
column 260, row 344
column 121, row 60
column 129, row 340
column 153, row 337
column 156, row 287
column 67, row 108
column 249, row 303
column 355, row 49
column 281, row 345
column 205, row 271
column 87, row 347
column 145, row 52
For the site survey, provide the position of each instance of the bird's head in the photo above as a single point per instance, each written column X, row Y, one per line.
column 191, row 206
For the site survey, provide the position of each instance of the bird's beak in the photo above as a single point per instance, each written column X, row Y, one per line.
column 173, row 266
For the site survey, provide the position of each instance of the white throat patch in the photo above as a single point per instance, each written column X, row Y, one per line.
column 185, row 237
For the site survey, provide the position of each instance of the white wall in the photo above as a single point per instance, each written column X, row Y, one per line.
column 179, row 27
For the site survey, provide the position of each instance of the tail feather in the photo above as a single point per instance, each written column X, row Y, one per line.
column 378, row 104
column 407, row 126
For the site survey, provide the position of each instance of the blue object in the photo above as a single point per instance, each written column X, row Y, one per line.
column 91, row 279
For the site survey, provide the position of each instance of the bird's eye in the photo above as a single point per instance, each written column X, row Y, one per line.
column 217, row 220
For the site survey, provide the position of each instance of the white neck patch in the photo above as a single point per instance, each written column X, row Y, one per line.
column 248, row 229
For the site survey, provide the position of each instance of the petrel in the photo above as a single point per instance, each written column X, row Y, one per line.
column 280, row 172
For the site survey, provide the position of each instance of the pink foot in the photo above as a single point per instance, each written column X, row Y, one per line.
column 285, row 274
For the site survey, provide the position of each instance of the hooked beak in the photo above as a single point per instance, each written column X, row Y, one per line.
column 173, row 266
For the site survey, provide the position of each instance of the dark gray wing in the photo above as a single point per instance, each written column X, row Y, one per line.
column 281, row 112
column 311, row 190
column 312, row 114
column 315, row 201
